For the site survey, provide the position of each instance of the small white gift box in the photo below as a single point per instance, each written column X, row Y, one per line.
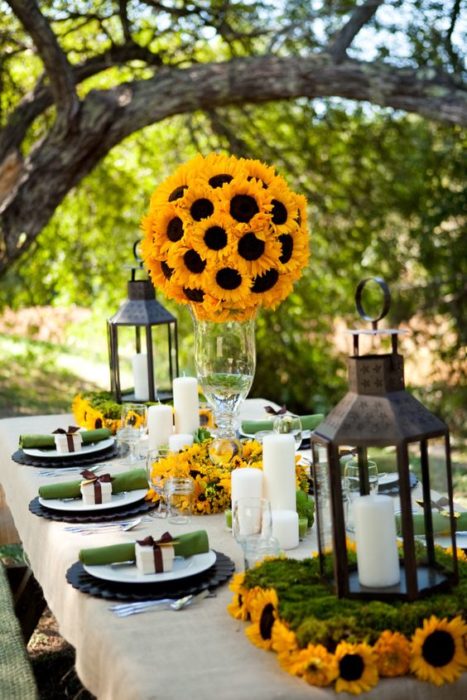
column 68, row 442
column 154, row 560
column 96, row 492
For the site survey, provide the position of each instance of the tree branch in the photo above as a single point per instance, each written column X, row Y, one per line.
column 38, row 100
column 55, row 62
column 345, row 36
column 123, row 14
column 61, row 160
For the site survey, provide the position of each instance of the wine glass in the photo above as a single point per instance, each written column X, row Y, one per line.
column 133, row 426
column 225, row 364
column 155, row 480
column 289, row 423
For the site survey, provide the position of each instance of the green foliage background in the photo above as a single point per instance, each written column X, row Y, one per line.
column 385, row 195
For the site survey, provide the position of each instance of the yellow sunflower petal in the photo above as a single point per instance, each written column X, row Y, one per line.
column 438, row 650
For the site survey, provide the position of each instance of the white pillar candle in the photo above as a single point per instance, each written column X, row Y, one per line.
column 178, row 441
column 279, row 471
column 285, row 528
column 160, row 425
column 186, row 404
column 140, row 376
column 246, row 483
column 375, row 536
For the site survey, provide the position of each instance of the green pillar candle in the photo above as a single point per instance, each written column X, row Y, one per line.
column 302, row 527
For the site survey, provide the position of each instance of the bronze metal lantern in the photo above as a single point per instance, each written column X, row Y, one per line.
column 378, row 421
column 143, row 313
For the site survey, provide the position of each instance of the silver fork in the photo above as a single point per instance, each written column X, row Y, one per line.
column 124, row 526
column 127, row 609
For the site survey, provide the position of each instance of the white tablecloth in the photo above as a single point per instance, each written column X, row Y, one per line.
column 200, row 652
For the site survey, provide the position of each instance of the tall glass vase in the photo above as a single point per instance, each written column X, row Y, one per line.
column 225, row 357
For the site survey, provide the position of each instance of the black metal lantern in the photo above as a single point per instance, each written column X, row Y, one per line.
column 378, row 421
column 143, row 312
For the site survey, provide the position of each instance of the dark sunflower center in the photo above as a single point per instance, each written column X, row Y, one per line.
column 286, row 242
column 263, row 283
column 201, row 209
column 228, row 278
column 438, row 648
column 351, row 667
column 215, row 238
column 166, row 270
column 219, row 180
column 266, row 621
column 243, row 207
column 196, row 295
column 175, row 229
column 98, row 423
column 193, row 261
column 250, row 247
column 279, row 212
column 177, row 193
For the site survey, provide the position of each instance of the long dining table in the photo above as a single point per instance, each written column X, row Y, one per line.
column 199, row 652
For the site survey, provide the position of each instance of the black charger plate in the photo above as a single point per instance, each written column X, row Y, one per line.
column 56, row 462
column 123, row 512
column 219, row 573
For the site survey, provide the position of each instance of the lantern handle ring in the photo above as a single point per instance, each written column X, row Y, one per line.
column 386, row 300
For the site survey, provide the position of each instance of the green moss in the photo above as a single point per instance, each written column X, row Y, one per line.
column 104, row 402
column 309, row 605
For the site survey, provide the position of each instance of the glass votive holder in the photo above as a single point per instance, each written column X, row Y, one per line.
column 179, row 499
column 256, row 549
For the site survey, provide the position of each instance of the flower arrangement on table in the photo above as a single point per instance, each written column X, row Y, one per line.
column 350, row 643
column 225, row 235
column 212, row 491
column 98, row 409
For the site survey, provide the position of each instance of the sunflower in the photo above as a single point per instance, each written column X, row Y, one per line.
column 262, row 605
column 357, row 671
column 257, row 170
column 283, row 639
column 226, row 236
column 393, row 652
column 438, row 652
column 314, row 663
column 238, row 607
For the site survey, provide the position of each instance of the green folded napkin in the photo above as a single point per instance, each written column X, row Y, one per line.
column 441, row 524
column 44, row 442
column 125, row 481
column 191, row 543
column 254, row 426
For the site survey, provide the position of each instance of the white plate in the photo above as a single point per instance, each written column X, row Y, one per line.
column 125, row 498
column 128, row 573
column 85, row 449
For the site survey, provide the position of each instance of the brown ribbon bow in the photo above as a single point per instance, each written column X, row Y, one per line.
column 92, row 478
column 157, row 545
column 69, row 435
column 273, row 412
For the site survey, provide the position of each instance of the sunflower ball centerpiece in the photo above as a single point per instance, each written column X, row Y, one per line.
column 225, row 236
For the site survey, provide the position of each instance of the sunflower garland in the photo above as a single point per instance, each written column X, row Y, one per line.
column 328, row 641
column 212, row 488
column 225, row 235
